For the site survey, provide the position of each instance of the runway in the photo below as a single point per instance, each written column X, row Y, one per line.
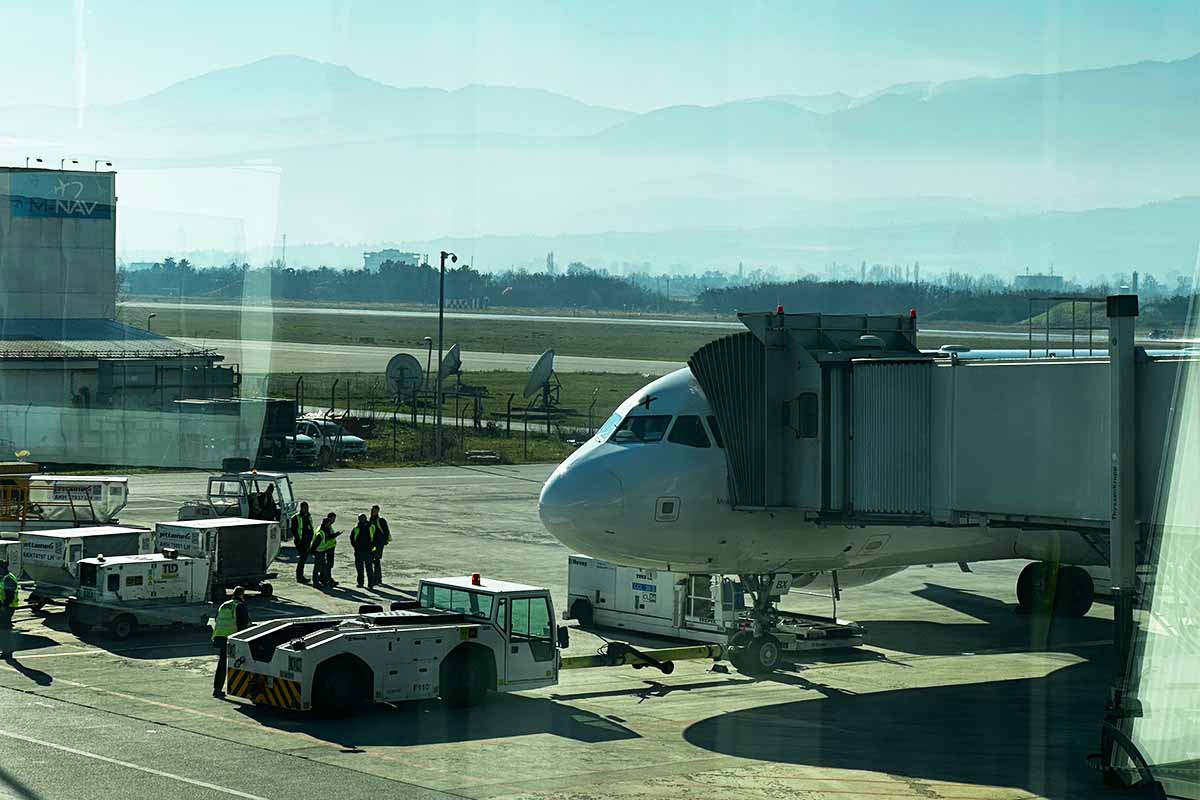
column 264, row 357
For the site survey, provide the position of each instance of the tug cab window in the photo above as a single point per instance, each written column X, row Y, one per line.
column 642, row 429
column 531, row 623
column 688, row 430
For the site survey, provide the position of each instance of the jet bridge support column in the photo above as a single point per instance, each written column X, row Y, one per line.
column 1122, row 313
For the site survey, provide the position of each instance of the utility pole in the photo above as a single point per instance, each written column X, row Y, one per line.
column 283, row 255
column 437, row 431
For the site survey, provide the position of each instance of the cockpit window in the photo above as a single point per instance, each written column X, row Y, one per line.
column 642, row 429
column 609, row 426
column 716, row 432
column 688, row 430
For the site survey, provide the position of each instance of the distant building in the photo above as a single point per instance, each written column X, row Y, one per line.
column 139, row 266
column 1039, row 283
column 373, row 261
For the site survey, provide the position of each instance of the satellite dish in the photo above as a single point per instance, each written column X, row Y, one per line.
column 539, row 376
column 451, row 363
column 404, row 374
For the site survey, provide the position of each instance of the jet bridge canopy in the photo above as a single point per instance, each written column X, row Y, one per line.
column 844, row 419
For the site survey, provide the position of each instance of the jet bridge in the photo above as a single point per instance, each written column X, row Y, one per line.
column 841, row 418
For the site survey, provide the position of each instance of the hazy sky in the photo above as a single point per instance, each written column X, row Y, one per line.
column 634, row 55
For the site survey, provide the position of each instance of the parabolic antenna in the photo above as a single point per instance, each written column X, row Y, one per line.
column 451, row 363
column 404, row 374
column 539, row 376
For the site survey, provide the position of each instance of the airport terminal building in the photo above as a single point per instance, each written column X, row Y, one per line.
column 75, row 384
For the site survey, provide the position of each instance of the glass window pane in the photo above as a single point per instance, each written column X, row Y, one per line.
column 688, row 430
column 642, row 429
column 716, row 432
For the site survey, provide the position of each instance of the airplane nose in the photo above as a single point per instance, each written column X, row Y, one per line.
column 580, row 504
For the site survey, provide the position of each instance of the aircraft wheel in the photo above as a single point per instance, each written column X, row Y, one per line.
column 762, row 656
column 1031, row 586
column 739, row 643
column 266, row 590
column 1076, row 591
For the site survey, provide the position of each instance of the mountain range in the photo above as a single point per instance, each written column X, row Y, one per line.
column 230, row 159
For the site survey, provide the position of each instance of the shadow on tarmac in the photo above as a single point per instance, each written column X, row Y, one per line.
column 10, row 786
column 1004, row 628
column 1032, row 734
column 432, row 722
column 36, row 675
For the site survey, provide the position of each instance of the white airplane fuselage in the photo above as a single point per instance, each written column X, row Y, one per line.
column 630, row 498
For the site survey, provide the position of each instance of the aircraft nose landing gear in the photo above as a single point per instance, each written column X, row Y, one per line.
column 754, row 650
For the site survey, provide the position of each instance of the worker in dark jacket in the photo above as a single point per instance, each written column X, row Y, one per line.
column 8, row 604
column 323, row 546
column 362, row 539
column 383, row 536
column 302, row 535
column 232, row 617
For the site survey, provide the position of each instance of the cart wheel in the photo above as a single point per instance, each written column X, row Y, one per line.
column 266, row 590
column 465, row 677
column 36, row 603
column 582, row 612
column 123, row 626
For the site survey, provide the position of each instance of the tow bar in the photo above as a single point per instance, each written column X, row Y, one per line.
column 615, row 654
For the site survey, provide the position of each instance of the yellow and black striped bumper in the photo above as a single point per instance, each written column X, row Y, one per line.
column 264, row 690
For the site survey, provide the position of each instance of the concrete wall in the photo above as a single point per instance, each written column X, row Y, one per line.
column 57, row 244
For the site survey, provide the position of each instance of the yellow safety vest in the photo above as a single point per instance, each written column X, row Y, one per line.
column 15, row 601
column 323, row 543
column 226, row 624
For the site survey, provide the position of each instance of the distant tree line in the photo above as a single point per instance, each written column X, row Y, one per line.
column 583, row 287
column 932, row 301
column 580, row 287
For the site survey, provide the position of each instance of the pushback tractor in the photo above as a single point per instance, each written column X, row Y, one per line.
column 460, row 639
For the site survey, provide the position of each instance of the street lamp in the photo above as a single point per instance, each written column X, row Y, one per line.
column 428, row 357
column 63, row 161
column 150, row 317
column 35, row 160
column 437, row 431
column 96, row 164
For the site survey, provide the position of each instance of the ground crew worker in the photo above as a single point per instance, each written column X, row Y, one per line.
column 268, row 508
column 383, row 536
column 323, row 548
column 231, row 617
column 302, row 536
column 8, row 604
column 362, row 539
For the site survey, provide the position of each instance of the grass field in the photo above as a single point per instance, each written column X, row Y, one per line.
column 483, row 334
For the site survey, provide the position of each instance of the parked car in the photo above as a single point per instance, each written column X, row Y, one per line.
column 332, row 441
column 302, row 449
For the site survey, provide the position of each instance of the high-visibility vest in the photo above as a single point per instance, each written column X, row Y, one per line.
column 226, row 624
column 354, row 534
column 10, row 585
column 323, row 543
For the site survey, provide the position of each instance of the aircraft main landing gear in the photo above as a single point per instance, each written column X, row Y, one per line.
column 1062, row 590
column 755, row 651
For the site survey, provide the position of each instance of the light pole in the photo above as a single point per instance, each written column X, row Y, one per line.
column 62, row 162
column 437, row 433
column 96, row 164
column 148, row 318
column 428, row 357
column 35, row 160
